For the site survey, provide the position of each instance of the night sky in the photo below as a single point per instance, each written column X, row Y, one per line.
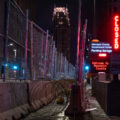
column 44, row 18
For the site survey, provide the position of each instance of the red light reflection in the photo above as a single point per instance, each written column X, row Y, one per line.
column 102, row 54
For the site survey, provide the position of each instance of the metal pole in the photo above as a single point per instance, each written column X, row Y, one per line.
column 82, row 50
column 65, row 68
column 6, row 38
column 53, row 59
column 61, row 65
column 26, row 41
column 81, row 72
column 46, row 53
column 64, row 65
column 75, row 106
column 78, row 42
column 31, row 24
column 42, row 53
column 83, row 47
column 55, row 65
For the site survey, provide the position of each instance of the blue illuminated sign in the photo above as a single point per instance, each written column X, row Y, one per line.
column 101, row 47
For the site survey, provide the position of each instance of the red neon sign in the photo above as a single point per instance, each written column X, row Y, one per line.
column 100, row 65
column 116, row 30
column 102, row 54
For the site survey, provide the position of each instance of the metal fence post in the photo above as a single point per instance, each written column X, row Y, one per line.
column 64, row 66
column 26, row 42
column 6, row 38
column 31, row 38
column 46, row 53
column 55, row 64
column 53, row 59
column 41, row 54
column 61, row 66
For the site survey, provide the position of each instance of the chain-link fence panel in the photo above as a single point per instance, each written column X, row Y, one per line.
column 30, row 51
column 16, row 44
column 39, row 52
column 49, row 58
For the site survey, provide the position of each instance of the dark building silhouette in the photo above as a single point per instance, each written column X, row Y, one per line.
column 103, row 19
column 61, row 30
column 100, row 15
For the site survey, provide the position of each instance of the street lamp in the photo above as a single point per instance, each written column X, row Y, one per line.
column 15, row 67
column 87, row 68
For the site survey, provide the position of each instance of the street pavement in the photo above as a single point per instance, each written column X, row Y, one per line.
column 55, row 111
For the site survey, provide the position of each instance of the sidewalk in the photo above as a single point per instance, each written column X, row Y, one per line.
column 99, row 113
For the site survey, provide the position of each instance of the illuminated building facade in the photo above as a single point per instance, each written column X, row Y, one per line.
column 61, row 30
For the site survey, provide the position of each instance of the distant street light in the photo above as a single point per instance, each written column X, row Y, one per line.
column 15, row 67
column 87, row 68
column 11, row 44
column 6, row 65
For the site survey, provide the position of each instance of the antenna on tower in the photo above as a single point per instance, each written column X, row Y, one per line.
column 66, row 4
column 54, row 4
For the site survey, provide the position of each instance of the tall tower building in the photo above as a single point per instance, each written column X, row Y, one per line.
column 61, row 30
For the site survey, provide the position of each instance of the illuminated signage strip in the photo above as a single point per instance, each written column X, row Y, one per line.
column 102, row 54
column 101, row 44
column 101, row 47
column 100, row 65
column 97, row 51
column 116, row 30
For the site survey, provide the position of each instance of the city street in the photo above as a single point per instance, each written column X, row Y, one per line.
column 59, row 57
column 54, row 111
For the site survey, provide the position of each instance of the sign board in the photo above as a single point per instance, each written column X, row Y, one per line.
column 100, row 66
column 101, row 48
column 116, row 33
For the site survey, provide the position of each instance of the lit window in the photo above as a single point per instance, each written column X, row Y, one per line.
column 57, row 15
column 60, row 23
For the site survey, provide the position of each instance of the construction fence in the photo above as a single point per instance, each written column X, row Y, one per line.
column 27, row 52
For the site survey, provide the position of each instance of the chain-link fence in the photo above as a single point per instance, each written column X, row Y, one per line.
column 16, row 44
column 26, row 50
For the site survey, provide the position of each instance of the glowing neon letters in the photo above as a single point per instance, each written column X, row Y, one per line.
column 100, row 66
column 102, row 54
column 116, row 29
column 101, row 48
